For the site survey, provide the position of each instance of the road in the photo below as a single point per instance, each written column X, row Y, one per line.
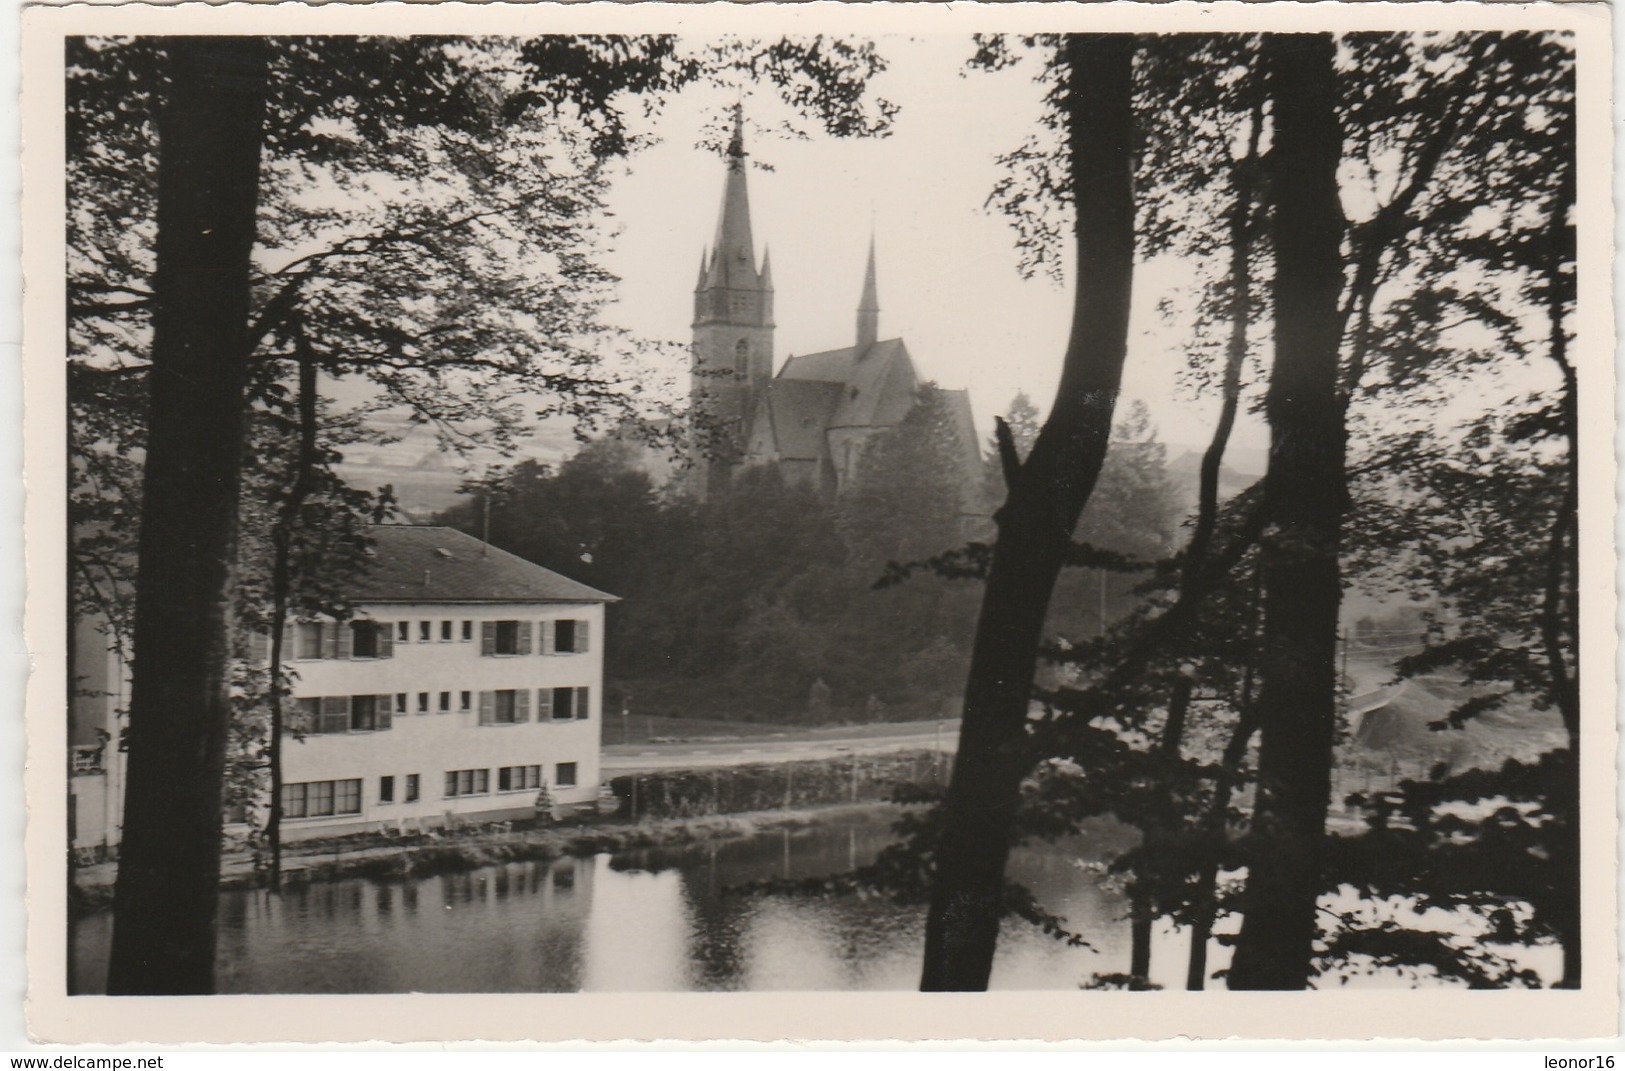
column 789, row 746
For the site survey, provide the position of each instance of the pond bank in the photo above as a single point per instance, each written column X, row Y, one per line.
column 373, row 856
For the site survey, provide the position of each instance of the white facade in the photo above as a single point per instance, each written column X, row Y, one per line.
column 98, row 695
column 464, row 710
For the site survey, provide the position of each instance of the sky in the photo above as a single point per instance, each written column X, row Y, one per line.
column 948, row 274
column 948, row 277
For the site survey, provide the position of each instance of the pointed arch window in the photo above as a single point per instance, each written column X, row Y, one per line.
column 742, row 355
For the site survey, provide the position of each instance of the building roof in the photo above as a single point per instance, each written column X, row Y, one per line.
column 430, row 563
column 878, row 383
column 798, row 412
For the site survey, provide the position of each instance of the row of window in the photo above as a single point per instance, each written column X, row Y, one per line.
column 554, row 636
column 312, row 640
column 322, row 799
column 509, row 779
column 377, row 713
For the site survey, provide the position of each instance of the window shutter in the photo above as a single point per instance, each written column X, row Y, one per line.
column 488, row 639
column 544, row 704
column 335, row 714
column 383, row 711
column 521, row 704
column 581, row 636
column 583, row 703
column 523, row 642
column 328, row 630
column 290, row 636
column 345, row 633
column 547, row 638
column 259, row 649
column 386, row 639
column 488, row 708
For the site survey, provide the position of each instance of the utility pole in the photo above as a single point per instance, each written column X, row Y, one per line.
column 485, row 527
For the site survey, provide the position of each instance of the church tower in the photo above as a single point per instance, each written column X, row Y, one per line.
column 868, row 307
column 733, row 328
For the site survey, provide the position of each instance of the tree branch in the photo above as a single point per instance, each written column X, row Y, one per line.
column 1009, row 456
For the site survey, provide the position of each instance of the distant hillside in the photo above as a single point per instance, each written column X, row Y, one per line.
column 426, row 478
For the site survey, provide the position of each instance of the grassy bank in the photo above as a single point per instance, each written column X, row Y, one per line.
column 373, row 857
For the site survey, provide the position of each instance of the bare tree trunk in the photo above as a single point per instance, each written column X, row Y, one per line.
column 282, row 582
column 1204, row 896
column 1047, row 494
column 208, row 175
column 1241, row 314
column 1305, row 495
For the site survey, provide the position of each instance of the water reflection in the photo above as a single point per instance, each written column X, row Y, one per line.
column 655, row 919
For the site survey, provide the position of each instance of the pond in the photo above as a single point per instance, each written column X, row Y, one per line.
column 659, row 919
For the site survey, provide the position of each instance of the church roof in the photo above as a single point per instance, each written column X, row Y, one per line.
column 879, row 382
column 799, row 411
column 428, row 563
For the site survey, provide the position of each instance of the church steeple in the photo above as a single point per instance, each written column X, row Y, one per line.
column 733, row 254
column 733, row 325
column 868, row 306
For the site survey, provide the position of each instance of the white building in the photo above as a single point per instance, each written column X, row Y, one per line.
column 467, row 679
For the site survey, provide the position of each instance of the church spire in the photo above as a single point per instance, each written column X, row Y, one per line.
column 868, row 306
column 733, row 261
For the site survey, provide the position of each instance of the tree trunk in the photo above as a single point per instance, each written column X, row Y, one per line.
column 282, row 582
column 1036, row 523
column 1305, row 494
column 1241, row 314
column 1560, row 600
column 1154, row 873
column 1205, row 897
column 208, row 174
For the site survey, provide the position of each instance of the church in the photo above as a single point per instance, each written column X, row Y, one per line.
column 813, row 418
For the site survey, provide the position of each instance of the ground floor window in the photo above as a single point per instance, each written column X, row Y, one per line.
column 317, row 799
column 516, row 778
column 467, row 782
column 411, row 787
column 386, row 789
column 564, row 775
